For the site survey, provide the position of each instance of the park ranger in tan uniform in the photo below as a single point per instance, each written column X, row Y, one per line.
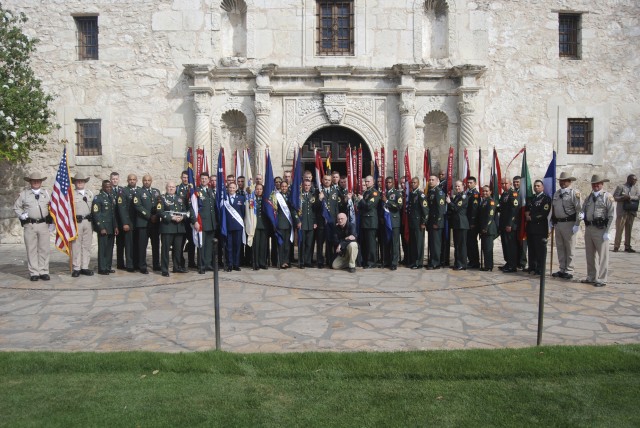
column 598, row 212
column 32, row 208
column 566, row 207
column 81, row 246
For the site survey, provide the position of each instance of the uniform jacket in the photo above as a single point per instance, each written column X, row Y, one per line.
column 472, row 206
column 458, row 208
column 36, row 208
column 331, row 201
column 206, row 209
column 310, row 211
column 83, row 203
column 394, row 204
column 145, row 202
column 538, row 208
column 368, row 208
column 171, row 203
column 566, row 204
column 418, row 209
column 283, row 222
column 600, row 208
column 487, row 213
column 509, row 209
column 437, row 208
column 239, row 206
column 126, row 209
column 104, row 213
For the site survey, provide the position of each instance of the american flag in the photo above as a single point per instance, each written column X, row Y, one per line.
column 63, row 208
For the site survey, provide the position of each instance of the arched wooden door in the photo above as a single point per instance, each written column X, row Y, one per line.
column 335, row 140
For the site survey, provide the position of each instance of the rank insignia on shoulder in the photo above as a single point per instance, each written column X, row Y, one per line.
column 441, row 201
column 313, row 199
column 159, row 207
column 515, row 202
column 372, row 200
column 460, row 203
column 546, row 206
column 95, row 209
column 399, row 200
column 135, row 199
column 424, row 203
column 119, row 199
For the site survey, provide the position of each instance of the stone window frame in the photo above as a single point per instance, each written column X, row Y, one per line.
column 86, row 144
column 580, row 136
column 418, row 13
column 570, row 35
column 335, row 18
column 88, row 30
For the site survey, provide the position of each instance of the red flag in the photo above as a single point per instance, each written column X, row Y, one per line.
column 62, row 207
column 449, row 172
column 466, row 172
column 496, row 177
column 199, row 163
column 354, row 168
column 427, row 170
column 349, row 168
column 359, row 178
column 395, row 168
column 319, row 169
column 383, row 163
column 407, row 187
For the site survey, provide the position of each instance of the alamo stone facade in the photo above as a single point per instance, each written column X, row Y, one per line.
column 407, row 75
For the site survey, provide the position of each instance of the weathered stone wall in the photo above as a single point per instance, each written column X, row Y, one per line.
column 138, row 88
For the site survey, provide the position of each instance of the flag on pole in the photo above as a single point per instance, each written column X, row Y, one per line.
column 376, row 174
column 250, row 217
column 426, row 167
column 319, row 169
column 246, row 171
column 407, row 191
column 221, row 194
column 383, row 163
column 524, row 194
column 269, row 201
column 328, row 162
column 495, row 182
column 62, row 208
column 238, row 166
column 395, row 168
column 296, row 184
column 360, row 171
column 449, row 172
column 549, row 180
column 196, row 203
column 480, row 171
column 349, row 170
column 466, row 170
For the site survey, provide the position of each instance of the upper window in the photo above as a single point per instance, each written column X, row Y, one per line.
column 580, row 136
column 335, row 27
column 88, row 137
column 87, row 37
column 569, row 35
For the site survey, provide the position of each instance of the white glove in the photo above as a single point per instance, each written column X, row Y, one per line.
column 581, row 216
column 606, row 237
column 575, row 229
column 24, row 216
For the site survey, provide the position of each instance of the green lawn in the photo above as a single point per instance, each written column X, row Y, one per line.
column 547, row 386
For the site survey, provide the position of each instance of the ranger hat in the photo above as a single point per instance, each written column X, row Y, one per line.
column 597, row 178
column 35, row 176
column 80, row 177
column 565, row 176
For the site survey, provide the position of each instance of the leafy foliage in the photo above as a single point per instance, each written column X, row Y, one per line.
column 25, row 116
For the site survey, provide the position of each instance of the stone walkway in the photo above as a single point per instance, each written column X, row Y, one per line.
column 311, row 309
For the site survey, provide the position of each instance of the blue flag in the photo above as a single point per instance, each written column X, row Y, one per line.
column 221, row 194
column 549, row 180
column 296, row 184
column 269, row 201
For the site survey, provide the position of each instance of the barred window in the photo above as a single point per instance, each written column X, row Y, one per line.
column 569, row 35
column 87, row 37
column 335, row 27
column 580, row 136
column 88, row 137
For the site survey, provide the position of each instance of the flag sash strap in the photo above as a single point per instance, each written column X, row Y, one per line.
column 282, row 204
column 236, row 216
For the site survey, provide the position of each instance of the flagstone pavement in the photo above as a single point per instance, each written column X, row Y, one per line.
column 311, row 310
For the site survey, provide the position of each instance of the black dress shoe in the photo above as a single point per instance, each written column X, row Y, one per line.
column 45, row 277
column 121, row 267
column 460, row 268
column 236, row 268
column 165, row 273
column 629, row 250
column 352, row 270
column 567, row 276
column 201, row 271
column 103, row 272
column 87, row 272
column 509, row 270
column 256, row 268
column 227, row 269
column 75, row 274
column 180, row 270
column 34, row 277
column 264, row 267
column 144, row 271
column 320, row 265
column 131, row 270
column 433, row 267
column 394, row 267
column 484, row 269
column 112, row 271
column 473, row 267
column 558, row 274
column 193, row 266
column 414, row 267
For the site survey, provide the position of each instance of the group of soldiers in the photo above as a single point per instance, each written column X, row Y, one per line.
column 343, row 229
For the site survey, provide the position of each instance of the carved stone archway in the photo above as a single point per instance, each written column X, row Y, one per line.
column 241, row 104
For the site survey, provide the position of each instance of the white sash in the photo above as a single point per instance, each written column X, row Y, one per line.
column 282, row 204
column 236, row 216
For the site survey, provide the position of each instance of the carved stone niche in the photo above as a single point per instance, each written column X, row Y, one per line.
column 335, row 105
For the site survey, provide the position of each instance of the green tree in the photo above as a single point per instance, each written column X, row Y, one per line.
column 25, row 116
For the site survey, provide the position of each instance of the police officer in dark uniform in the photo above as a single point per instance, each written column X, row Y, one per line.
column 487, row 226
column 209, row 222
column 147, row 224
column 368, row 207
column 509, row 210
column 537, row 223
column 329, row 196
column 457, row 208
column 127, row 221
column 308, row 223
column 172, row 210
column 418, row 216
column 472, row 214
column 104, row 223
column 393, row 202
column 435, row 223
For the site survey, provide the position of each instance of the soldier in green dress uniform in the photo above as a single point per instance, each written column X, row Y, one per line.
column 417, row 216
column 104, row 223
column 172, row 210
column 393, row 202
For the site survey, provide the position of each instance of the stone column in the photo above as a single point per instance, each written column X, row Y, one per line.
column 262, row 134
column 202, row 133
column 407, row 128
column 467, row 135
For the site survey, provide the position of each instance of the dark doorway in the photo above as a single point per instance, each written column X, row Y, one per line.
column 335, row 140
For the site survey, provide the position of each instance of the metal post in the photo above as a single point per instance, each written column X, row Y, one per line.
column 216, row 294
column 541, row 298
